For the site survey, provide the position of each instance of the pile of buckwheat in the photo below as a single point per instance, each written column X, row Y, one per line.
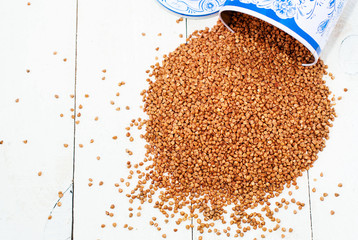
column 233, row 118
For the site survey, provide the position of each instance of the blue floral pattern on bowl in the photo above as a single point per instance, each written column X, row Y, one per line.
column 285, row 9
column 193, row 8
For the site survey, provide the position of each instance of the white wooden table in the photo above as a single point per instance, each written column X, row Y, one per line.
column 88, row 37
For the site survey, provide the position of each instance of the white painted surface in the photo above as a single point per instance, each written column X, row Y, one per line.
column 60, row 225
column 29, row 36
column 338, row 161
column 112, row 39
column 109, row 37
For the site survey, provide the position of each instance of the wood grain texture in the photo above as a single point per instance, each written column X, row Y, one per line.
column 338, row 162
column 29, row 36
column 112, row 39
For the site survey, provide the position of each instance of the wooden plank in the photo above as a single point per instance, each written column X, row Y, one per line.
column 300, row 222
column 111, row 38
column 338, row 162
column 59, row 227
column 29, row 36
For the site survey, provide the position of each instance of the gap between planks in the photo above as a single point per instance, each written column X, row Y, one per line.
column 74, row 129
column 74, row 125
column 309, row 202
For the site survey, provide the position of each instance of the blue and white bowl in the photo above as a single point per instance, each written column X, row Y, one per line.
column 193, row 8
column 309, row 21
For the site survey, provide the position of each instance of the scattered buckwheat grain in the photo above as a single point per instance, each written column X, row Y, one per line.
column 232, row 119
